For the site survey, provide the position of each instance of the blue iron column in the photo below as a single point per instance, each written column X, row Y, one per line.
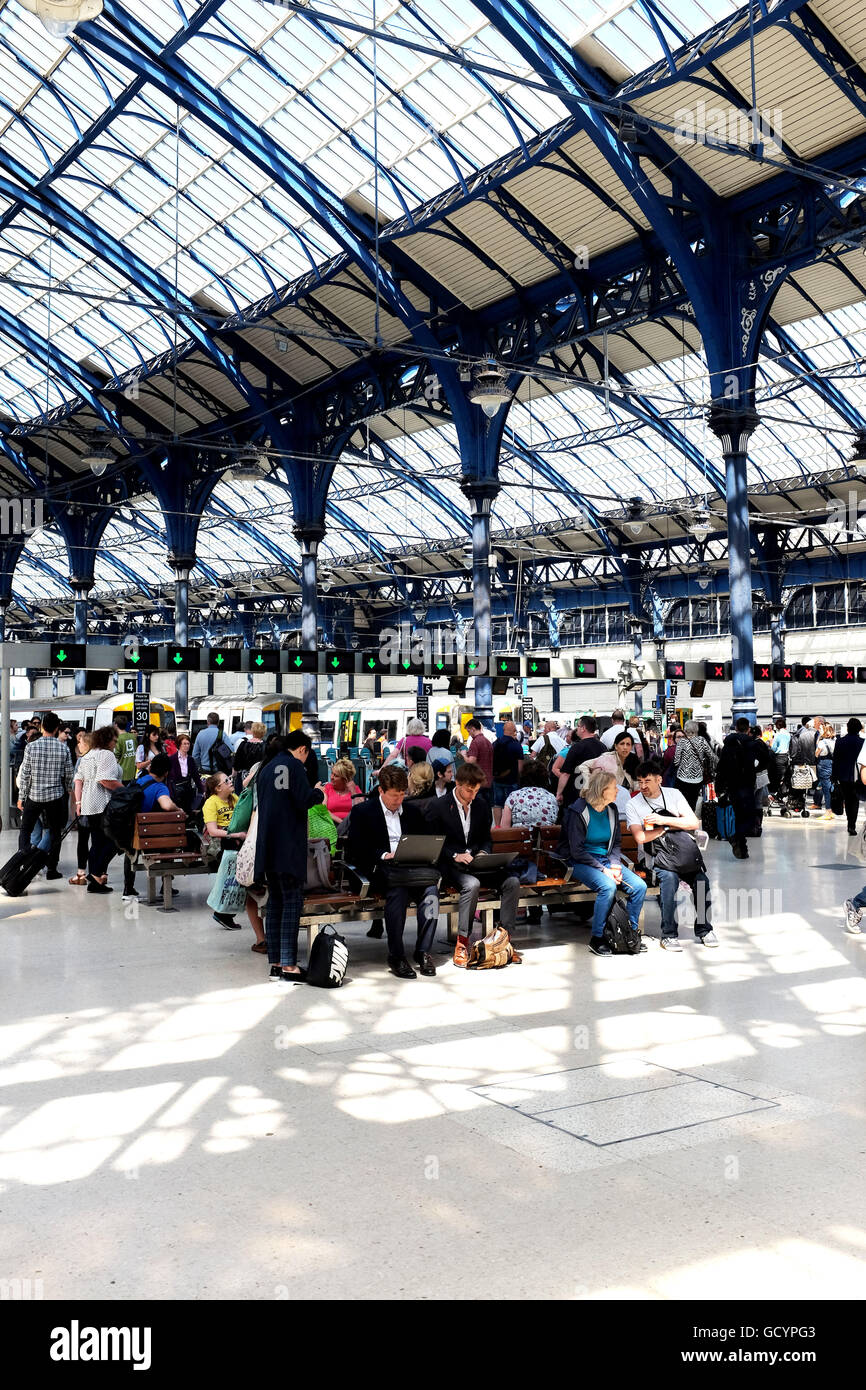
column 308, row 538
column 80, row 589
column 777, row 656
column 481, row 493
column 734, row 427
column 182, row 567
column 637, row 655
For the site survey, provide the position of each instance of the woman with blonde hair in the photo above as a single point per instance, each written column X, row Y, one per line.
column 825, row 745
column 591, row 838
column 421, row 779
column 342, row 791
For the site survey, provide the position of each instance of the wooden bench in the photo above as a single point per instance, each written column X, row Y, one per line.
column 160, row 846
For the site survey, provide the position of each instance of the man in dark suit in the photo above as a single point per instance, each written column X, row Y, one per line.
column 466, row 821
column 375, row 827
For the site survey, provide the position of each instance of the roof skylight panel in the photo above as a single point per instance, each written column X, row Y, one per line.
column 299, row 128
column 133, row 129
column 299, row 51
column 250, row 19
column 163, row 18
column 254, row 91
column 340, row 167
column 254, row 225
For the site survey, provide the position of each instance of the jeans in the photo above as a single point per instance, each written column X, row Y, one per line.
column 41, row 837
column 669, row 883
column 825, row 782
column 860, row 900
column 55, row 812
column 470, row 887
column 605, row 892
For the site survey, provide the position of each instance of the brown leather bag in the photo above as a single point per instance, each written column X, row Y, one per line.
column 493, row 952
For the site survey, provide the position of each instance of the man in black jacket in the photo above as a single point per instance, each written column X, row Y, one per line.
column 735, row 779
column 846, row 772
column 586, row 745
column 466, row 821
column 284, row 796
column 375, row 827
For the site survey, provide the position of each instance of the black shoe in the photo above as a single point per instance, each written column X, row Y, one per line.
column 94, row 886
column 852, row 832
column 377, row 931
column 226, row 921
column 399, row 966
column 740, row 853
column 53, row 873
column 424, row 963
column 599, row 946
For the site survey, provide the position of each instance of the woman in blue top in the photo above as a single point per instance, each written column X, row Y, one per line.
column 591, row 844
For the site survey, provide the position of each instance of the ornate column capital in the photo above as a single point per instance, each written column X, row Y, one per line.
column 734, row 425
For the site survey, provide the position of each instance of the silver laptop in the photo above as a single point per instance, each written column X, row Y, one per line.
column 418, row 849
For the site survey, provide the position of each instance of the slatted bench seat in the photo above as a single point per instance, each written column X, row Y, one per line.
column 160, row 846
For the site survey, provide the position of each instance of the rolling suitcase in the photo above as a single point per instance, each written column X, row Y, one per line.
column 19, row 871
column 710, row 819
column 727, row 821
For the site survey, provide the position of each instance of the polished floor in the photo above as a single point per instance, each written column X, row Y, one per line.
column 657, row 1127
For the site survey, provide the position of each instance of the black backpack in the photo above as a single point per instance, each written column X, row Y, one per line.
column 118, row 818
column 620, row 935
column 329, row 958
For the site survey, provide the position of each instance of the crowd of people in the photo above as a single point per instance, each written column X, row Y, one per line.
column 448, row 788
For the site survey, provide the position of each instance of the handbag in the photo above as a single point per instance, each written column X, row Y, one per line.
column 762, row 779
column 227, row 895
column 243, row 812
column 493, row 952
column 246, row 860
column 412, row 875
column 801, row 778
column 677, row 850
column 318, row 865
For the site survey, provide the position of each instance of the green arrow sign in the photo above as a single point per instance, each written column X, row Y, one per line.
column 581, row 667
column 61, row 655
column 335, row 661
column 219, row 659
column 177, row 659
column 440, row 665
column 372, row 663
column 260, row 661
column 135, row 658
column 472, row 665
column 406, row 665
column 503, row 665
column 534, row 666
column 298, row 661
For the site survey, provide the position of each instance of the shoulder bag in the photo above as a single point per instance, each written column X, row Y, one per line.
column 676, row 850
column 493, row 952
column 246, row 861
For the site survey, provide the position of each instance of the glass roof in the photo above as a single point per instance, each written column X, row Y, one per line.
column 102, row 177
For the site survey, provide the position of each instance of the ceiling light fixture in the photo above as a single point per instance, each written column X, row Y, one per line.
column 701, row 525
column 61, row 17
column 705, row 577
column 250, row 466
column 98, row 457
column 489, row 390
column 634, row 523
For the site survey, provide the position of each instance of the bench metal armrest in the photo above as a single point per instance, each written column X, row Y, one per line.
column 343, row 870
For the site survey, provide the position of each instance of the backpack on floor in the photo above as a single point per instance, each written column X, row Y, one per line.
column 329, row 959
column 619, row 934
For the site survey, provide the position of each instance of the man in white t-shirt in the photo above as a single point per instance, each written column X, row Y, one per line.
column 549, row 732
column 616, row 728
column 648, row 815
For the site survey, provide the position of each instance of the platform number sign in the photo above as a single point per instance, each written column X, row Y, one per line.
column 265, row 660
column 184, row 658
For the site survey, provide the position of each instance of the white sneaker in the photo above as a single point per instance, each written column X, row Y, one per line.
column 852, row 918
column 708, row 939
column 671, row 943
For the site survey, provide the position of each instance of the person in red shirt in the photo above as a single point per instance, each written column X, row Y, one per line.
column 342, row 791
column 480, row 751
